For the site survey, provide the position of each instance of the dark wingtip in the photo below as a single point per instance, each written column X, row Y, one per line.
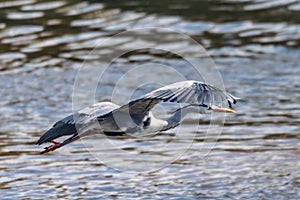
column 60, row 129
column 229, row 103
column 232, row 99
column 41, row 140
column 51, row 134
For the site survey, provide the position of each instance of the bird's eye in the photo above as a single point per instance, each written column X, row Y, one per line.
column 147, row 122
column 209, row 108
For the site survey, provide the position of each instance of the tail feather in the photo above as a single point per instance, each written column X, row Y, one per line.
column 60, row 129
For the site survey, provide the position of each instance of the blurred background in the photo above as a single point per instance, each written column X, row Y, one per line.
column 255, row 45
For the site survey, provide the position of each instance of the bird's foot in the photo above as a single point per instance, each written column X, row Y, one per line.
column 57, row 145
column 52, row 147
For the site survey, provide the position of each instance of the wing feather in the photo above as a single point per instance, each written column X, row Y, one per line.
column 190, row 92
column 69, row 124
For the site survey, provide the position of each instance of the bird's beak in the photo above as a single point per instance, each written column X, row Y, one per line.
column 218, row 109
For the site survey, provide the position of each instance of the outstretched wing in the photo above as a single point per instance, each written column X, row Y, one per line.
column 69, row 124
column 190, row 92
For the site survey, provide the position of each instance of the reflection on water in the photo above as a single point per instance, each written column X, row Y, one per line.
column 256, row 47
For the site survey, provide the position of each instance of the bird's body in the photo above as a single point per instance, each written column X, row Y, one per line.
column 136, row 117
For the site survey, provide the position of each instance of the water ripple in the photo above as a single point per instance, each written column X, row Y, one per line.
column 7, row 4
column 20, row 30
column 255, row 45
column 269, row 4
column 43, row 6
column 24, row 15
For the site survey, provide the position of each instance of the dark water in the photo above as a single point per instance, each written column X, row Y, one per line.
column 46, row 51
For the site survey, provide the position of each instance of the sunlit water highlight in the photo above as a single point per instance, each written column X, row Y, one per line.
column 255, row 45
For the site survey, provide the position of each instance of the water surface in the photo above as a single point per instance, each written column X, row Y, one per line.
column 255, row 45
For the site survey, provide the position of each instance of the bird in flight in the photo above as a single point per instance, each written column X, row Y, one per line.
column 136, row 116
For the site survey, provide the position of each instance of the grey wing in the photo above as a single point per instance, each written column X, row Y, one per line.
column 128, row 116
column 82, row 118
column 190, row 92
column 89, row 114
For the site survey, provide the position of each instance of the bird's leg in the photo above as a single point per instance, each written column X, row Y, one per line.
column 57, row 145
column 55, row 142
column 52, row 147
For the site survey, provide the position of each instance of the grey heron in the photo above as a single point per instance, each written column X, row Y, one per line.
column 136, row 116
